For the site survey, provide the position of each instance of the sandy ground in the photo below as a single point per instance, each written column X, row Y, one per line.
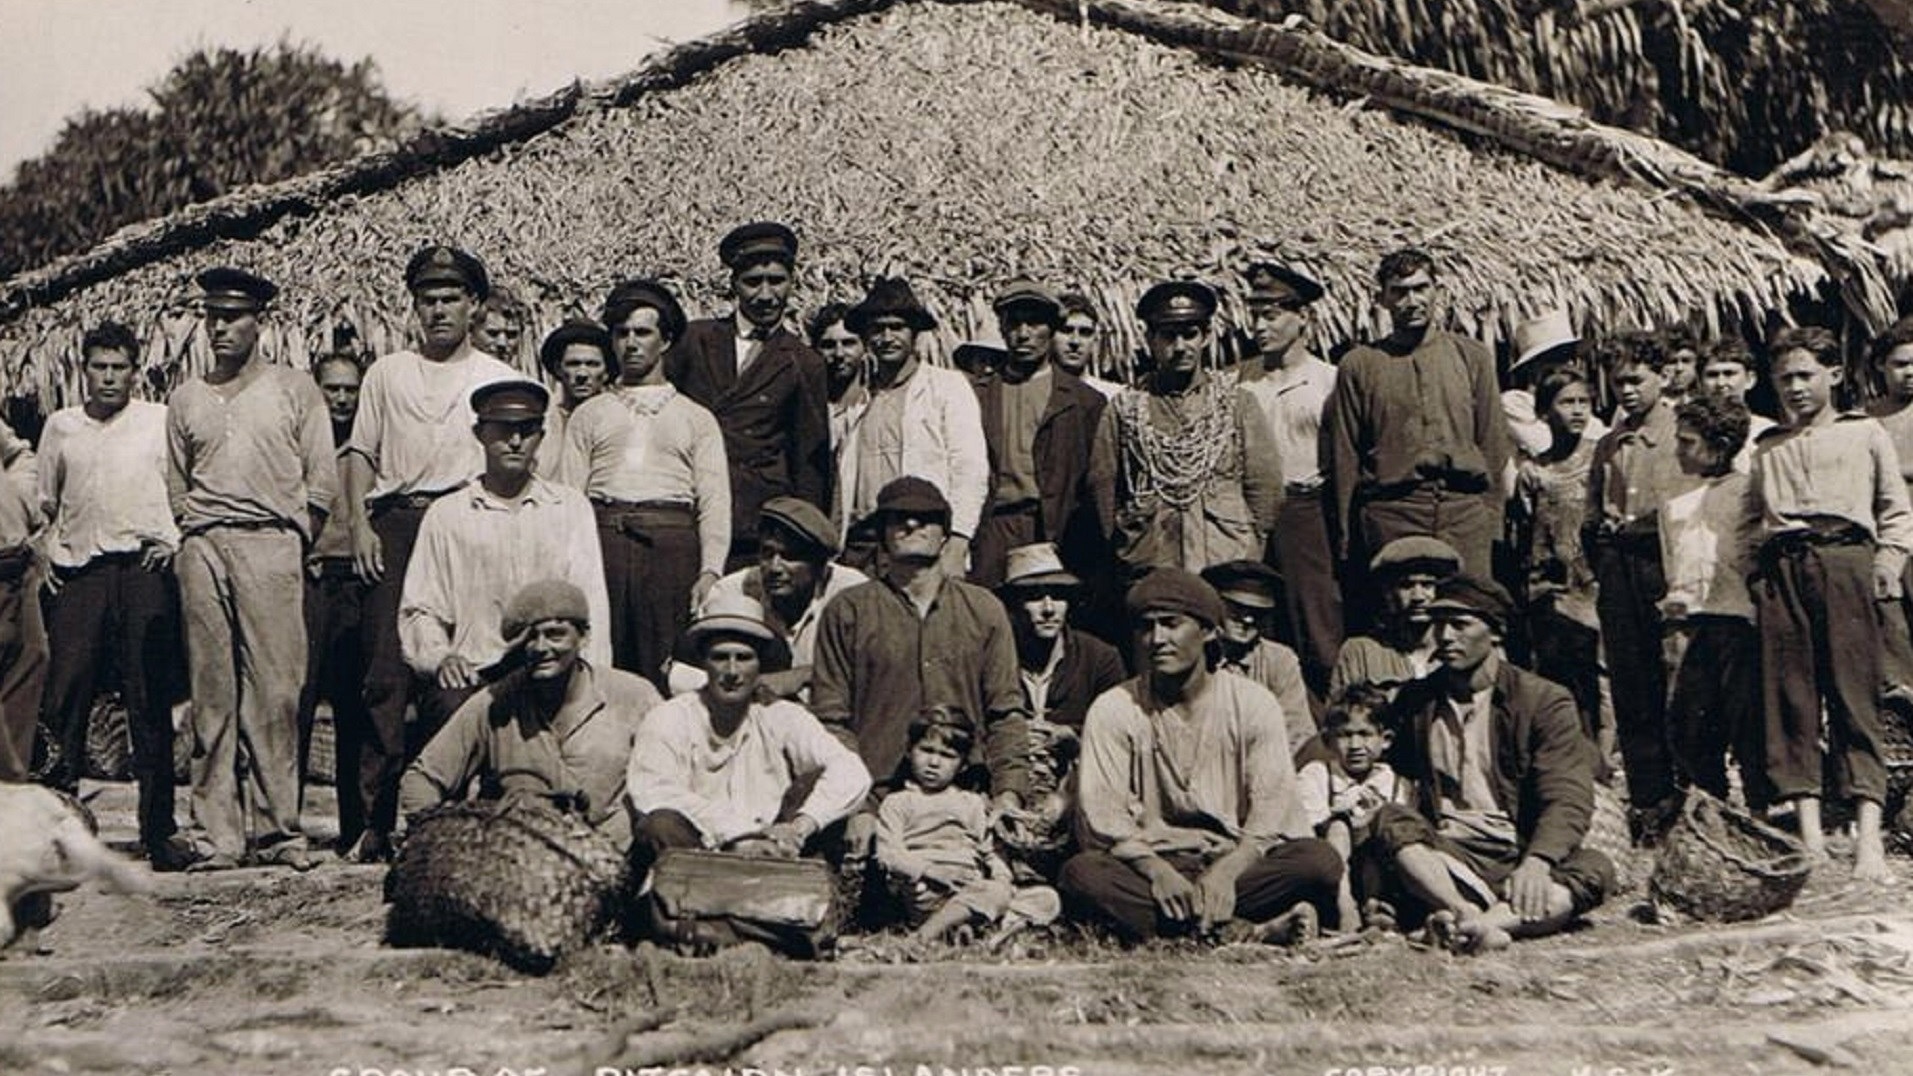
column 262, row 971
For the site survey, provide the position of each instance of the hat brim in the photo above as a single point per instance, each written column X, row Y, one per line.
column 1040, row 579
column 1448, row 607
column 773, row 654
column 1541, row 349
column 919, row 320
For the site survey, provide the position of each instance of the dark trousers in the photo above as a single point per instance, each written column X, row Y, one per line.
column 1631, row 582
column 1311, row 594
column 1001, row 530
column 1712, row 708
column 1820, row 640
column 1568, row 652
column 1113, row 892
column 388, row 680
column 650, row 566
column 335, row 672
column 112, row 614
column 23, row 664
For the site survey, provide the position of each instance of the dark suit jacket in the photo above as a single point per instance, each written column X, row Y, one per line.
column 1089, row 668
column 1064, row 437
column 1543, row 766
column 776, row 418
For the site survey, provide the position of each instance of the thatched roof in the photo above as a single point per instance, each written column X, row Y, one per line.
column 959, row 145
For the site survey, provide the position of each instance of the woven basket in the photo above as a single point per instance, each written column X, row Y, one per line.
column 1720, row 864
column 322, row 754
column 109, row 742
column 515, row 878
column 1608, row 835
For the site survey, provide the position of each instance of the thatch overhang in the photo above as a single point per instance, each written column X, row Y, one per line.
column 958, row 145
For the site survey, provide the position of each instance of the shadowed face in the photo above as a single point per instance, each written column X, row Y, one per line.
column 1044, row 608
column 497, row 333
column 762, row 291
column 1726, row 379
column 1897, row 369
column 1276, row 319
column 1179, row 347
column 889, row 339
column 1637, row 387
column 1406, row 598
column 784, row 569
column 732, row 668
column 232, row 332
column 339, row 384
column 1571, row 409
column 510, row 447
column 843, row 352
column 582, row 372
column 1027, row 333
column 1463, row 642
column 1410, row 300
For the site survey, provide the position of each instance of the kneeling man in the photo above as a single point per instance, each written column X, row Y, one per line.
column 713, row 769
column 1187, row 798
column 1504, row 786
column 555, row 725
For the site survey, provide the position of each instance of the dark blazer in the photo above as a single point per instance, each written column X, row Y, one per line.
column 776, row 418
column 1064, row 436
column 1543, row 772
column 1089, row 668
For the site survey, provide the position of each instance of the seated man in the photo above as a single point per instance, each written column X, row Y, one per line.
column 793, row 578
column 714, row 769
column 554, row 725
column 1188, row 806
column 1504, row 787
column 1249, row 591
column 1402, row 646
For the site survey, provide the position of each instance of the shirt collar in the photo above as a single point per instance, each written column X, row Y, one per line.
column 537, row 491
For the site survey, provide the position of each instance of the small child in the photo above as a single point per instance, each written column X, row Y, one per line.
column 1342, row 794
column 934, row 843
column 1829, row 511
column 1707, row 616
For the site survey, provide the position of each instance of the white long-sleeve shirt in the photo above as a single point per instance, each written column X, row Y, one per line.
column 103, row 483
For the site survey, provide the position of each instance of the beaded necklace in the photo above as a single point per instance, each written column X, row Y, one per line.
column 1177, row 464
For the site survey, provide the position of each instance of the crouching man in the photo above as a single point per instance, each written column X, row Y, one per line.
column 554, row 725
column 1187, row 800
column 1504, row 787
column 713, row 769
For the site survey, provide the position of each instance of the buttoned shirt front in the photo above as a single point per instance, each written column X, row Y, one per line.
column 103, row 483
column 252, row 451
column 1295, row 399
column 1635, row 470
column 1845, row 469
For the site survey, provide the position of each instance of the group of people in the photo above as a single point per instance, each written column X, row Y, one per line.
column 1218, row 651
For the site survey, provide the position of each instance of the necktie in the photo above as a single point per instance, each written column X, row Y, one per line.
column 754, row 343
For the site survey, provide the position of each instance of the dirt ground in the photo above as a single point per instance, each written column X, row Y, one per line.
column 273, row 972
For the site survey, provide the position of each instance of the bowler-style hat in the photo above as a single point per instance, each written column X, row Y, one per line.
column 889, row 296
column 227, row 288
column 551, row 353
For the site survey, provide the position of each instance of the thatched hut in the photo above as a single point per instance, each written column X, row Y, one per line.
column 1097, row 144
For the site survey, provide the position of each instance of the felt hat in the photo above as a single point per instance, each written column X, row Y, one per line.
column 1274, row 282
column 1537, row 336
column 758, row 239
column 736, row 615
column 1177, row 302
column 1028, row 294
column 628, row 295
column 1037, row 565
column 1244, row 582
column 1417, row 551
column 1469, row 595
column 977, row 359
column 512, row 400
column 801, row 520
column 551, row 353
column 227, row 288
column 542, row 600
column 911, row 495
column 889, row 296
column 441, row 264
column 1174, row 590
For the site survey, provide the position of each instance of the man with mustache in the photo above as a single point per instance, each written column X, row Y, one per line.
column 1417, row 442
column 409, row 447
column 251, row 475
column 556, row 726
column 1039, row 423
column 763, row 383
column 480, row 545
column 1402, row 647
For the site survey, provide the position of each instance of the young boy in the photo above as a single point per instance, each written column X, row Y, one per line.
column 1683, row 363
column 1707, row 617
column 1893, row 362
column 1727, row 371
column 933, row 841
column 1634, row 473
column 1342, row 794
column 1832, row 523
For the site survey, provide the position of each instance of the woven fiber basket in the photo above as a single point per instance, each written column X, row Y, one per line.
column 514, row 878
column 1607, row 834
column 322, row 753
column 1720, row 864
column 109, row 743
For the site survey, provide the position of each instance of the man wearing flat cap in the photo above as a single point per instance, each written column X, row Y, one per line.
column 1417, row 443
column 1504, row 787
column 652, row 463
column 480, row 545
column 410, row 446
column 715, row 768
column 763, row 383
column 1405, row 573
column 1189, row 813
column 251, row 475
column 793, row 579
column 578, row 356
column 1292, row 387
column 1248, row 589
column 1185, row 470
column 1039, row 422
column 922, row 420
column 555, row 726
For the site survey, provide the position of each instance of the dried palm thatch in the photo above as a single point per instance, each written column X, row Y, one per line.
column 959, row 146
column 1744, row 84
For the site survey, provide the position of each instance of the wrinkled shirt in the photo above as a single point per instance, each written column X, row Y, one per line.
column 1706, row 552
column 256, row 450
column 1634, row 470
column 651, row 443
column 1842, row 469
column 415, row 421
column 103, row 483
column 1294, row 399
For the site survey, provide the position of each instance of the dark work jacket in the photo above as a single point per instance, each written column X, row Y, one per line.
column 1543, row 772
column 776, row 418
column 1064, row 437
column 1089, row 668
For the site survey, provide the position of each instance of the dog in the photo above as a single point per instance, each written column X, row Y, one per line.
column 49, row 843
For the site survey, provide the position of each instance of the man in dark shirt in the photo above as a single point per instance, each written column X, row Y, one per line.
column 763, row 383
column 1417, row 443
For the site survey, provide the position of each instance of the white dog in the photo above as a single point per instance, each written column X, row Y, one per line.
column 47, row 845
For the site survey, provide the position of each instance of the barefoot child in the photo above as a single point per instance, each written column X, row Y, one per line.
column 933, row 841
column 1343, row 793
column 1830, row 516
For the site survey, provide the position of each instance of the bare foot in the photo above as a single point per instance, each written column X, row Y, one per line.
column 1476, row 935
column 1294, row 927
column 1441, row 927
column 1869, row 865
column 1348, row 917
